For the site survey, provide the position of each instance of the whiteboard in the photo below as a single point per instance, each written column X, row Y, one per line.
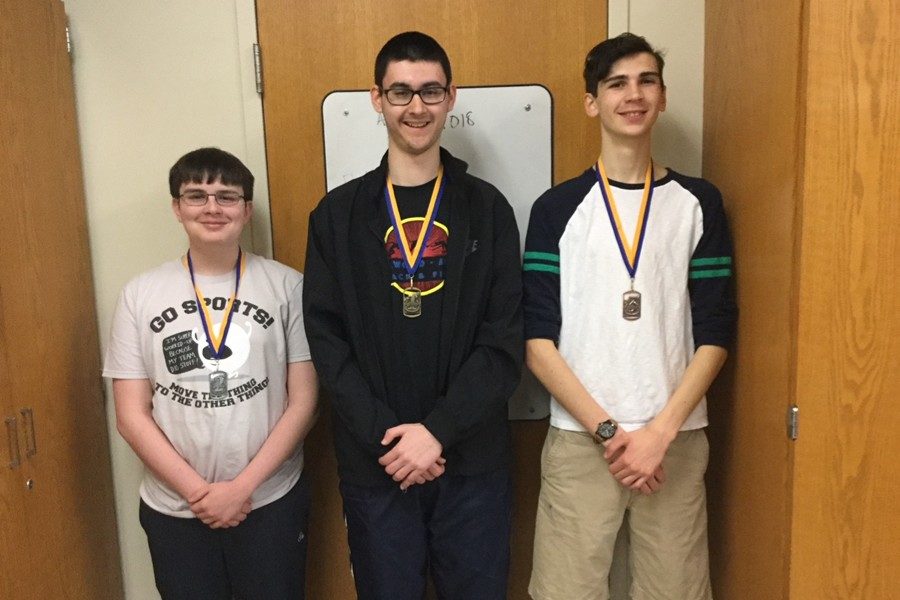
column 505, row 133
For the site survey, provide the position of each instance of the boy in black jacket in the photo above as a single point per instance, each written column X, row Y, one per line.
column 412, row 308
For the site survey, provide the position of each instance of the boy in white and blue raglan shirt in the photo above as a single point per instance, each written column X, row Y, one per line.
column 628, row 311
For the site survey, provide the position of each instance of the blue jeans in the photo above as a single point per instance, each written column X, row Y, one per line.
column 456, row 527
column 262, row 558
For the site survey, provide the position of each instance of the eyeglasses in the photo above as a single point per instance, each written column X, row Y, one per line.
column 403, row 96
column 199, row 198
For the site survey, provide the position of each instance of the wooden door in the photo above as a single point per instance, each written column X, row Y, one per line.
column 846, row 526
column 801, row 133
column 313, row 47
column 13, row 493
column 50, row 367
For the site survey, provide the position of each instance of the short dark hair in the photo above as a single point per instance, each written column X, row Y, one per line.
column 413, row 46
column 207, row 165
column 601, row 58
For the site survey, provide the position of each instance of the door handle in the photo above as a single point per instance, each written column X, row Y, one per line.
column 28, row 426
column 12, row 439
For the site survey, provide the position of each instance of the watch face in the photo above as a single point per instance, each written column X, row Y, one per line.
column 606, row 430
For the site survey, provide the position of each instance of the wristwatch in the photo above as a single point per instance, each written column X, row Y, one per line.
column 606, row 430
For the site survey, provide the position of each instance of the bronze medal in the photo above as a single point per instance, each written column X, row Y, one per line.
column 412, row 303
column 413, row 254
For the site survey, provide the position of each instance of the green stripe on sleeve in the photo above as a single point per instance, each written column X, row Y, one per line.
column 541, row 256
column 540, row 267
column 709, row 274
column 715, row 260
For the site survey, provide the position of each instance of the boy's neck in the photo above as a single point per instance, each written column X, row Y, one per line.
column 626, row 161
column 213, row 259
column 410, row 170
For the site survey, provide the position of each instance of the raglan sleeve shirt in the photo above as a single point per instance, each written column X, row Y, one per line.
column 541, row 271
column 711, row 272
column 709, row 281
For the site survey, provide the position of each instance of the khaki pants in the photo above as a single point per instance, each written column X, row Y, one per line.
column 581, row 508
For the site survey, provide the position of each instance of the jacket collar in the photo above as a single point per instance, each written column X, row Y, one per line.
column 374, row 180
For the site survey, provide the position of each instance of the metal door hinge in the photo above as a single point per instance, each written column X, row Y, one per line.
column 793, row 421
column 12, row 441
column 257, row 67
column 68, row 40
column 28, row 426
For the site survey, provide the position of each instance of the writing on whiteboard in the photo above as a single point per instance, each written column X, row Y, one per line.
column 454, row 120
column 460, row 120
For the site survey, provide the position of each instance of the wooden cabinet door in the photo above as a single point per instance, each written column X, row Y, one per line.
column 313, row 47
column 845, row 538
column 13, row 530
column 51, row 367
column 801, row 130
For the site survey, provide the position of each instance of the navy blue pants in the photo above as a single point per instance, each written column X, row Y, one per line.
column 262, row 558
column 456, row 527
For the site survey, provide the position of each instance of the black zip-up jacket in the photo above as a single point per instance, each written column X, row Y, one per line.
column 346, row 299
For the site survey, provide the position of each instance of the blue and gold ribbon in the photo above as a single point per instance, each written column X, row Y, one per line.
column 216, row 340
column 631, row 252
column 413, row 256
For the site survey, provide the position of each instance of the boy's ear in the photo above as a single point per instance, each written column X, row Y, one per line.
column 452, row 97
column 590, row 105
column 375, row 96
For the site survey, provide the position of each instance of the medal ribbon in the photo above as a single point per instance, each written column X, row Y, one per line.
column 215, row 340
column 413, row 257
column 631, row 253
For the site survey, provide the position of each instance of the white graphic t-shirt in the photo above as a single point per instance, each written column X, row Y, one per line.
column 157, row 334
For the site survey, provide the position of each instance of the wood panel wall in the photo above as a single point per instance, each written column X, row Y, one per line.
column 752, row 153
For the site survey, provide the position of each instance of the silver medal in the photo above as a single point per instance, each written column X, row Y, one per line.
column 218, row 385
column 631, row 305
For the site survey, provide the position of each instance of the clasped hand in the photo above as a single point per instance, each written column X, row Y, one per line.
column 220, row 505
column 416, row 457
column 635, row 459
